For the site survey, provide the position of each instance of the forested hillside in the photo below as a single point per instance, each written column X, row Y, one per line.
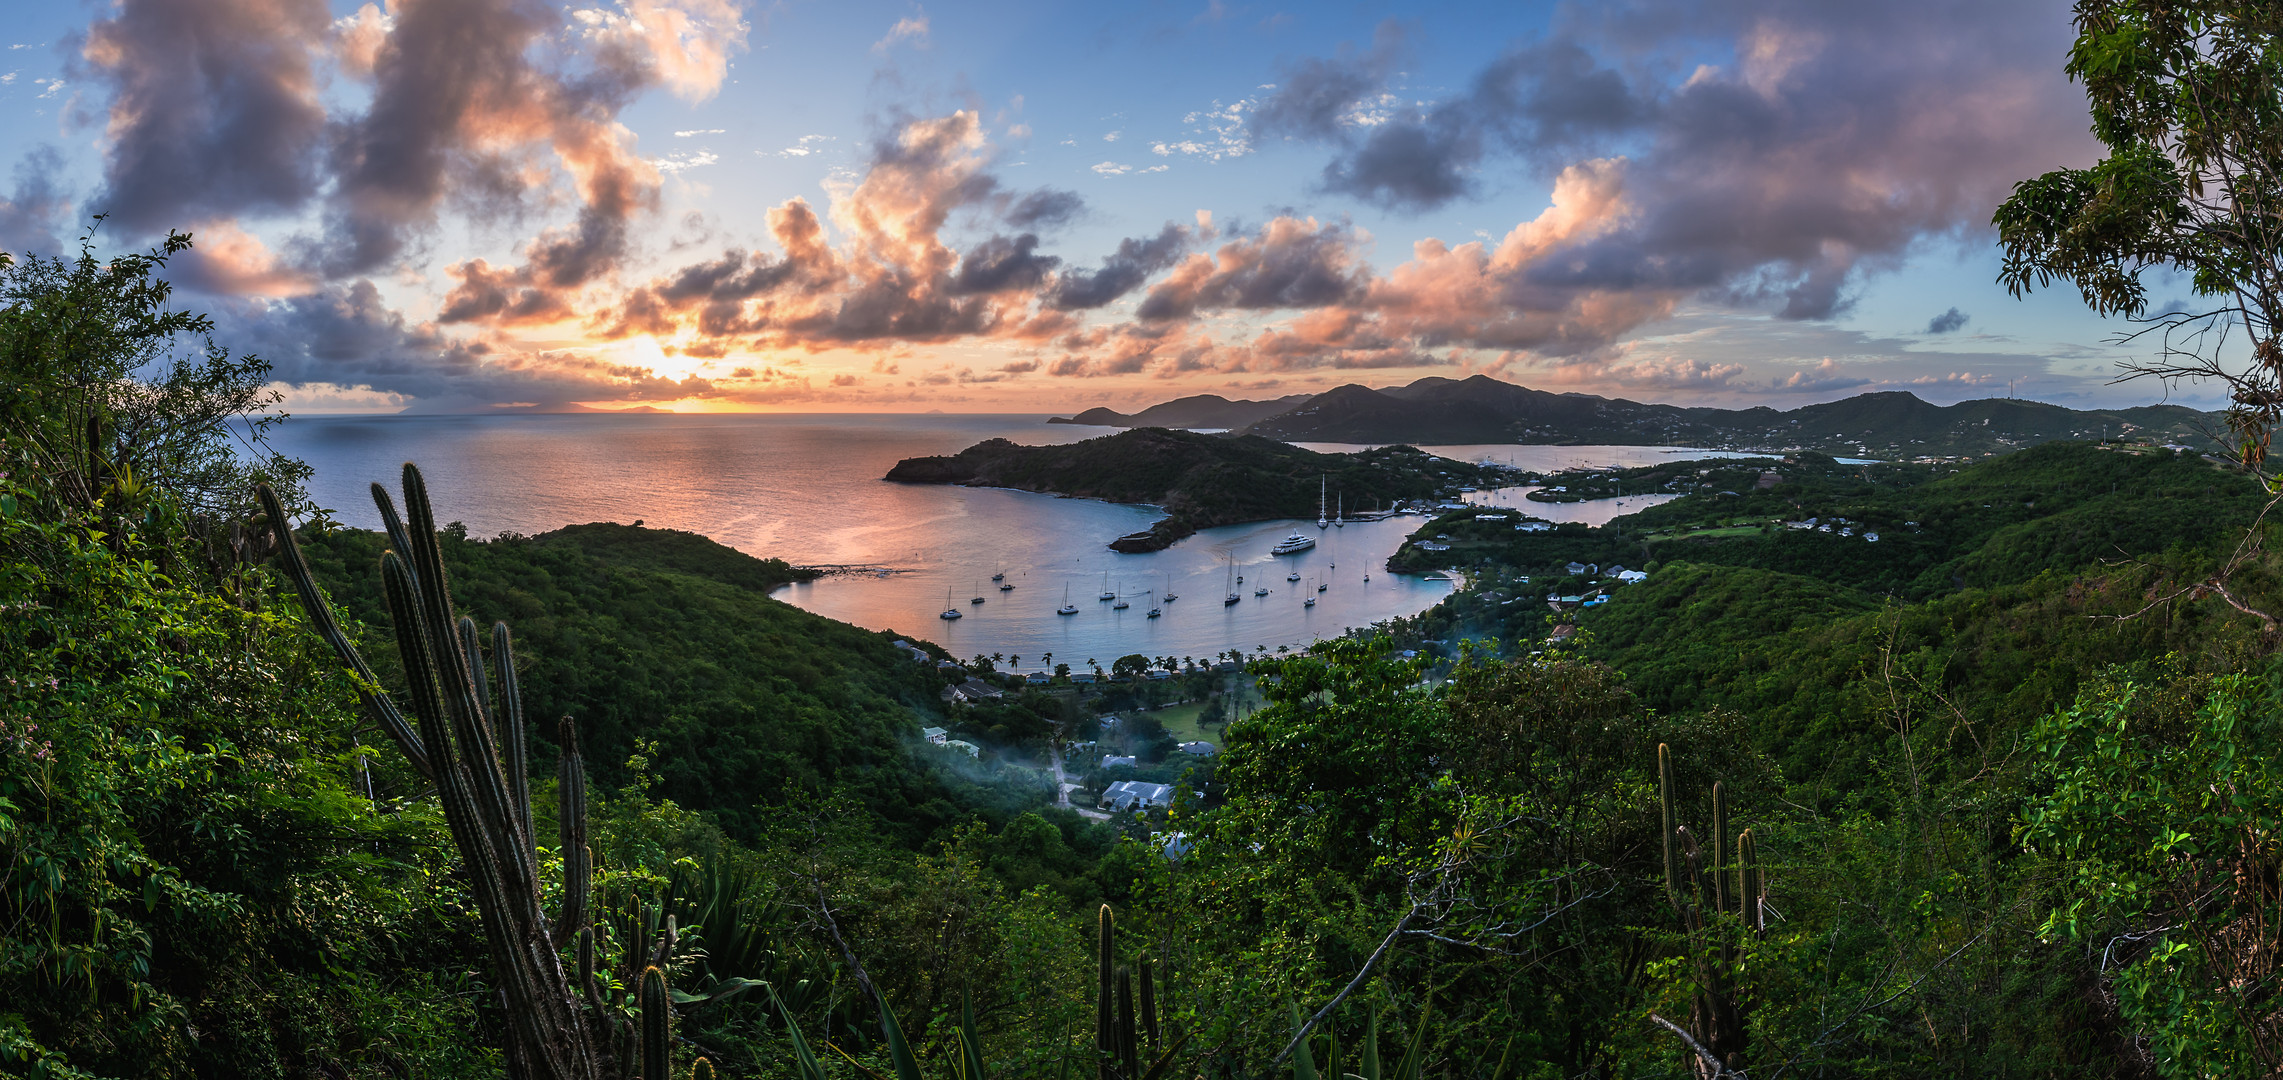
column 653, row 636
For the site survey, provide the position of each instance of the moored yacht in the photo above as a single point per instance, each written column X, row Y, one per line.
column 1067, row 607
column 1296, row 542
column 949, row 612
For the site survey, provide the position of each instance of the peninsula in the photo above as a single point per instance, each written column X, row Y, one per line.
column 1201, row 480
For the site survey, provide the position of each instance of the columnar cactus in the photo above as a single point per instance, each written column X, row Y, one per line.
column 656, row 1011
column 471, row 744
column 1717, row 1016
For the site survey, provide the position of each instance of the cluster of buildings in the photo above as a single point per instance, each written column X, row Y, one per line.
column 1838, row 526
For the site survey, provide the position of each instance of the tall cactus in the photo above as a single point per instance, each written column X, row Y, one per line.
column 657, row 1012
column 1119, row 1027
column 470, row 742
column 1105, row 994
column 1717, row 1014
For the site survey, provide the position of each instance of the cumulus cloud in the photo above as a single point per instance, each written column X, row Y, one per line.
column 35, row 208
column 1834, row 143
column 1122, row 272
column 1946, row 322
column 1841, row 136
column 911, row 29
column 213, row 109
column 1825, row 375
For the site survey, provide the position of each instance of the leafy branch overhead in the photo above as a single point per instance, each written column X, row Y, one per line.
column 2188, row 100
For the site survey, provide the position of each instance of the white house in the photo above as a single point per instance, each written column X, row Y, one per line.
column 1199, row 749
column 1111, row 761
column 1631, row 576
column 935, row 735
column 1130, row 795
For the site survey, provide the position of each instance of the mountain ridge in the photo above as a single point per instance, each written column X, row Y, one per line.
column 1481, row 409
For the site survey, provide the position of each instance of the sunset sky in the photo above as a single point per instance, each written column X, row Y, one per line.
column 855, row 205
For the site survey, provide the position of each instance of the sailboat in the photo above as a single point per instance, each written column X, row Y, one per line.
column 1311, row 601
column 1233, row 597
column 1000, row 576
column 978, row 596
column 1321, row 520
column 1121, row 605
column 1067, row 607
column 1169, row 596
column 949, row 612
column 1340, row 519
column 1154, row 610
column 1006, row 586
column 1293, row 576
column 1106, row 593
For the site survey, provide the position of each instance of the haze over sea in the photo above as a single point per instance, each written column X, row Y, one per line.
column 807, row 488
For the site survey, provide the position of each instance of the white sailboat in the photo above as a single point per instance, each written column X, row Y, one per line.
column 1067, row 607
column 1311, row 601
column 949, row 612
column 1154, row 610
column 1233, row 597
column 1321, row 520
column 1169, row 595
column 1106, row 593
column 1121, row 605
column 1340, row 519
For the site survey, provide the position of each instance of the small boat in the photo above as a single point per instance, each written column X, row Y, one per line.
column 1293, row 576
column 1000, row 576
column 1106, row 593
column 1260, row 592
column 1121, row 605
column 1067, row 607
column 1367, row 577
column 1154, row 613
column 1321, row 520
column 949, row 612
column 1323, row 585
column 1169, row 597
column 1006, row 588
column 977, row 600
column 1340, row 520
column 1310, row 602
column 1233, row 598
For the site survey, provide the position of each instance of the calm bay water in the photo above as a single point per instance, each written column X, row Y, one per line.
column 807, row 489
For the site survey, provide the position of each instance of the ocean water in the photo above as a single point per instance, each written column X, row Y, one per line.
column 808, row 489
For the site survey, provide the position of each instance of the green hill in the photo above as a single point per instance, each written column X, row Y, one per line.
column 1201, row 480
column 1892, row 424
column 1937, row 528
column 653, row 635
